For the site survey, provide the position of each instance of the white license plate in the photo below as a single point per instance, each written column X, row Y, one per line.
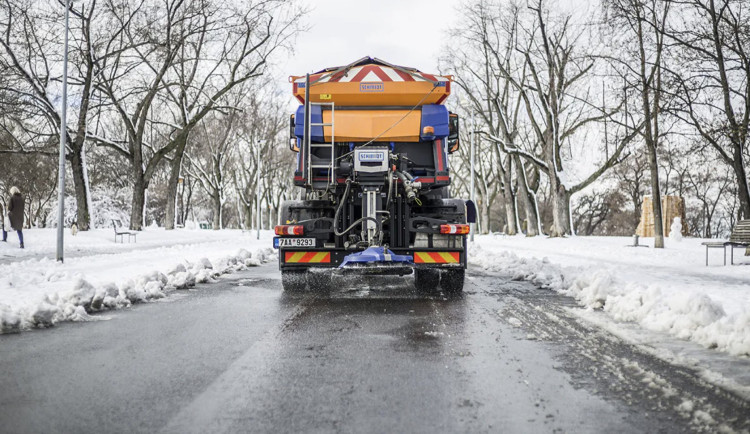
column 297, row 242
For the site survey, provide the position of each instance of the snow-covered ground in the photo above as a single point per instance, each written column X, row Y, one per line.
column 99, row 274
column 664, row 290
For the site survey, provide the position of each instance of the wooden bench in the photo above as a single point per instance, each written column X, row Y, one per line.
column 120, row 232
column 740, row 237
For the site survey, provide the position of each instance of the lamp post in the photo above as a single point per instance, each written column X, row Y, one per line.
column 257, row 188
column 63, row 142
column 472, row 195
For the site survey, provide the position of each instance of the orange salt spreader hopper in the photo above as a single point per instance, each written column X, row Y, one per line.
column 373, row 82
column 378, row 96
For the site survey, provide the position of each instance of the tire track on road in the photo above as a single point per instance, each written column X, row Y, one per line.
column 615, row 369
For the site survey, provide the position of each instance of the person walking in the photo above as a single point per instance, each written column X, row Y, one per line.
column 15, row 214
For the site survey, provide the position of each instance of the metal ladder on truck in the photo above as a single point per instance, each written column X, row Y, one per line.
column 314, row 166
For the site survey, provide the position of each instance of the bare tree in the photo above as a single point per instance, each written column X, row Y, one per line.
column 225, row 54
column 489, row 184
column 261, row 155
column 640, row 65
column 714, row 79
column 132, row 85
column 709, row 186
column 631, row 177
column 557, row 103
column 30, row 173
column 212, row 154
column 484, row 45
column 31, row 44
column 171, row 67
column 592, row 211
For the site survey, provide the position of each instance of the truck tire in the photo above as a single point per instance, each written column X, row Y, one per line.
column 426, row 279
column 293, row 280
column 320, row 281
column 452, row 281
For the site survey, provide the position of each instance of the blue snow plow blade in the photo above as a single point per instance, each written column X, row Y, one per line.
column 378, row 260
column 376, row 256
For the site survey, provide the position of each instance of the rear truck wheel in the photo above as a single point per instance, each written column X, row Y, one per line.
column 320, row 280
column 452, row 280
column 293, row 280
column 426, row 279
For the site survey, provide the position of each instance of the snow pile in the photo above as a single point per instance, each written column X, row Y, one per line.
column 667, row 290
column 42, row 292
column 691, row 315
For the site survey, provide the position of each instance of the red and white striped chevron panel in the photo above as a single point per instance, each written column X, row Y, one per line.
column 369, row 73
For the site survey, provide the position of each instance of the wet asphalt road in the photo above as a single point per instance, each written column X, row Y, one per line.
column 372, row 356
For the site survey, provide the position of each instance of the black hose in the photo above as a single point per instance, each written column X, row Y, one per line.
column 390, row 191
column 411, row 195
column 338, row 210
column 358, row 221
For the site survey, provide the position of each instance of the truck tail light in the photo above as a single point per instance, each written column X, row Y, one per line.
column 454, row 229
column 290, row 230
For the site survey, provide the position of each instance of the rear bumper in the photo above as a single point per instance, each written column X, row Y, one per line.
column 301, row 258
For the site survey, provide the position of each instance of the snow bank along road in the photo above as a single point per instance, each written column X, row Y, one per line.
column 241, row 356
column 100, row 275
column 669, row 291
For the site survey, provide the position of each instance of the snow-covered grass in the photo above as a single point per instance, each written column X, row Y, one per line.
column 666, row 290
column 43, row 242
column 99, row 274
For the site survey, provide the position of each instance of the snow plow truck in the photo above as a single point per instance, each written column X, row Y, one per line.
column 372, row 142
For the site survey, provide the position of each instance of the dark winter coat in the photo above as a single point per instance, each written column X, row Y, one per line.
column 15, row 211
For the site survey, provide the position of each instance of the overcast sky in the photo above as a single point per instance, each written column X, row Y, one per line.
column 403, row 32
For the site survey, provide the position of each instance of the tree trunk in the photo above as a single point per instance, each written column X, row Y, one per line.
column 174, row 178
column 249, row 217
column 651, row 136
column 509, row 196
column 485, row 217
column 510, row 213
column 558, row 191
column 656, row 197
column 216, row 203
column 181, row 205
column 83, row 217
column 186, row 201
column 636, row 198
column 742, row 188
column 560, row 207
column 527, row 199
column 139, row 200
